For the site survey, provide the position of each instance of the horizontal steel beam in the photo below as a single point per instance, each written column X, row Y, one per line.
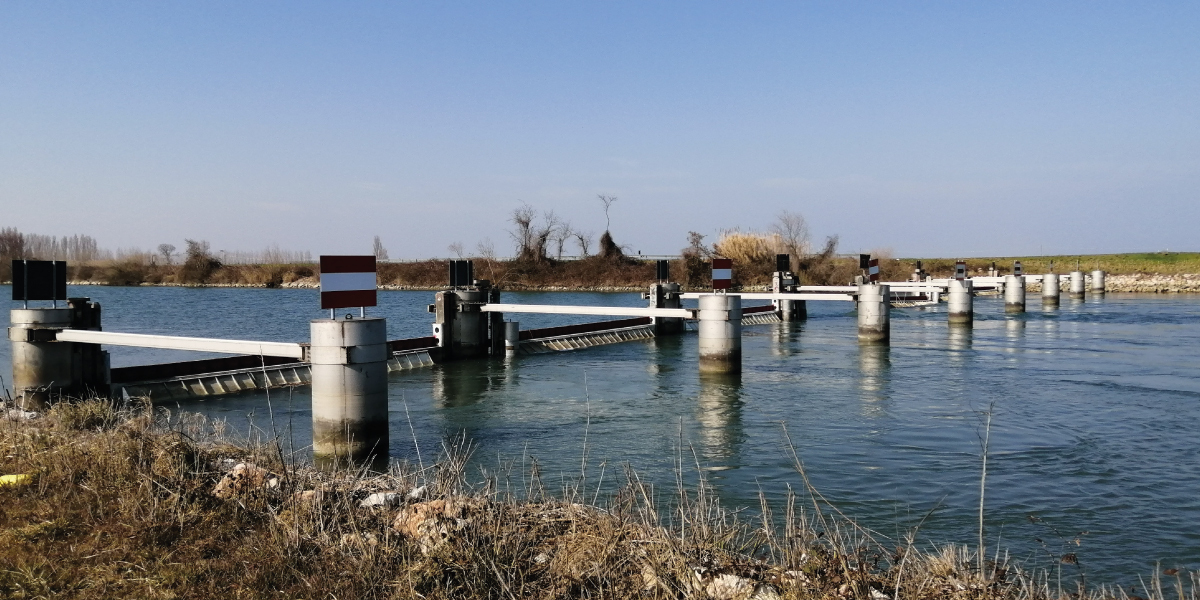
column 775, row 296
column 604, row 311
column 171, row 342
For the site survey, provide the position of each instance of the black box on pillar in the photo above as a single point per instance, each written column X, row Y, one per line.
column 783, row 262
column 663, row 270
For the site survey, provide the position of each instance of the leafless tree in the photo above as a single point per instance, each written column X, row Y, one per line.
column 497, row 270
column 531, row 234
column 792, row 230
column 12, row 243
column 584, row 239
column 165, row 250
column 562, row 232
column 608, row 202
column 522, row 218
column 380, row 251
column 456, row 249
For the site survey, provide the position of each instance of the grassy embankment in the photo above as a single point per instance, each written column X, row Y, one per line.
column 1142, row 263
column 118, row 503
column 751, row 269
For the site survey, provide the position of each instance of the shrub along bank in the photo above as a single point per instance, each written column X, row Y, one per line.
column 1150, row 272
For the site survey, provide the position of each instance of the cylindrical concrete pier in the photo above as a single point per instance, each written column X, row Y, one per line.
column 1097, row 281
column 720, row 329
column 512, row 338
column 792, row 310
column 349, row 392
column 960, row 302
column 42, row 367
column 1077, row 285
column 1050, row 290
column 1014, row 293
column 874, row 307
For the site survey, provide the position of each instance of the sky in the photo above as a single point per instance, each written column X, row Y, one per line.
column 949, row 129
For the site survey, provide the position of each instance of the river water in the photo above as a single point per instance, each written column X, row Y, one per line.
column 1094, row 407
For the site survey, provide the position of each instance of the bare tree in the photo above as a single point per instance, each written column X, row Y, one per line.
column 456, row 249
column 608, row 202
column 560, row 235
column 522, row 218
column 380, row 251
column 165, row 250
column 12, row 243
column 530, row 235
column 792, row 230
column 584, row 239
column 497, row 270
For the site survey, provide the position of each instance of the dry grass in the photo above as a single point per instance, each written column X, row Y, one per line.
column 1165, row 263
column 122, row 505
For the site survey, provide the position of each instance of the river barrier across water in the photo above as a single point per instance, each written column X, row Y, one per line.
column 1094, row 409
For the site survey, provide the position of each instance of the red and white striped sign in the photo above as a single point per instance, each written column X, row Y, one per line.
column 347, row 281
column 722, row 273
column 873, row 270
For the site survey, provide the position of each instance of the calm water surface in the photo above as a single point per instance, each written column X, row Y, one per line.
column 1095, row 410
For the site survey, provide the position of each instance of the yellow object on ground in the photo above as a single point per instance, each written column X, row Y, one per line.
column 18, row 479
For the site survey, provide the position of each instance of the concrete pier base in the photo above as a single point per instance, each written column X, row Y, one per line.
column 961, row 302
column 874, row 307
column 1050, row 290
column 1077, row 285
column 720, row 329
column 42, row 367
column 1014, row 293
column 349, row 392
column 792, row 310
column 1098, row 282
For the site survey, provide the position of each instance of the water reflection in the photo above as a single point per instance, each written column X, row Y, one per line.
column 1014, row 328
column 787, row 337
column 466, row 383
column 719, row 419
column 874, row 365
column 667, row 351
column 959, row 342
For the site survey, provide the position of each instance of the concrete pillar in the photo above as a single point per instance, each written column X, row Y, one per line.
column 961, row 302
column 1050, row 290
column 874, row 308
column 42, row 367
column 512, row 338
column 792, row 310
column 1097, row 282
column 720, row 328
column 1077, row 285
column 665, row 295
column 349, row 391
column 1014, row 293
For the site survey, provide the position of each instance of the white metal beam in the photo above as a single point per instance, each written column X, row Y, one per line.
column 604, row 311
column 171, row 342
column 775, row 296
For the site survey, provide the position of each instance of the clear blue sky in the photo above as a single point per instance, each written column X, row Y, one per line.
column 948, row 129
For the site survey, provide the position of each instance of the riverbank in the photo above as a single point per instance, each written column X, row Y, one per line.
column 119, row 502
column 1150, row 272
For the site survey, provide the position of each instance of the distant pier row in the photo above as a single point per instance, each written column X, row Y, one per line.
column 58, row 351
